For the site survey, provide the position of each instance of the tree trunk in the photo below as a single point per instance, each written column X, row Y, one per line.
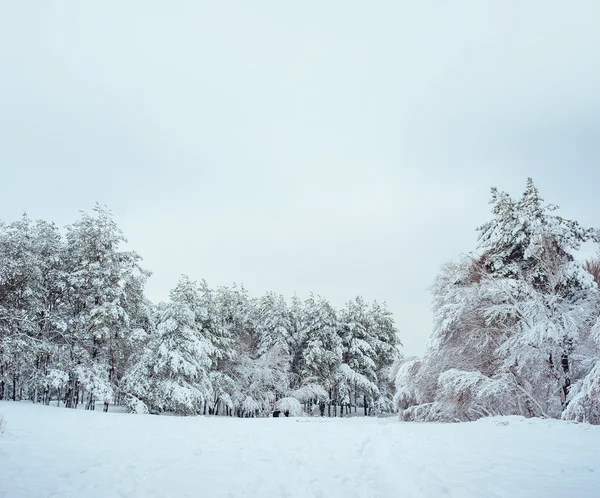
column 2, row 382
column 14, row 396
column 567, row 382
column 365, row 403
column 76, row 391
column 69, row 394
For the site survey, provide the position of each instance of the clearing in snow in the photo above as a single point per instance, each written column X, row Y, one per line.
column 56, row 452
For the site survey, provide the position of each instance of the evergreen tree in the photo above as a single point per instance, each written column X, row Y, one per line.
column 172, row 373
column 508, row 323
column 322, row 355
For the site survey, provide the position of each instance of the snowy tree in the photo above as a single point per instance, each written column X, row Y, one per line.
column 358, row 370
column 507, row 324
column 322, row 354
column 259, row 381
column 103, row 285
column 30, row 292
column 172, row 373
column 274, row 324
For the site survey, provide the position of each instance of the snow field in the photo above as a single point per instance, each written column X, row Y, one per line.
column 56, row 452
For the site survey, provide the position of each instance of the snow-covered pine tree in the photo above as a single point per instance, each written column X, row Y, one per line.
column 357, row 376
column 274, row 324
column 507, row 324
column 297, row 338
column 29, row 296
column 322, row 354
column 219, row 332
column 103, row 285
column 386, row 343
column 172, row 372
column 551, row 294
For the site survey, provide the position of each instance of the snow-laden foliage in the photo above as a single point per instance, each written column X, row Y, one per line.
column 259, row 380
column 322, row 353
column 67, row 307
column 310, row 392
column 75, row 327
column 513, row 327
column 584, row 403
column 174, row 371
column 291, row 405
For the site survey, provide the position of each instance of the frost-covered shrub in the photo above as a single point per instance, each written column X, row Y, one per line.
column 474, row 395
column 290, row 404
column 430, row 412
column 584, row 403
column 136, row 405
column 408, row 389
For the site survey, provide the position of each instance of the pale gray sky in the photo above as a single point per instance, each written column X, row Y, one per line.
column 338, row 147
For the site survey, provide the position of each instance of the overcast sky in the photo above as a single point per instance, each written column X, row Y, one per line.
column 345, row 148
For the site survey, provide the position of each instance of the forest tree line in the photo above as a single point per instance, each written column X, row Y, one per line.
column 516, row 331
column 76, row 328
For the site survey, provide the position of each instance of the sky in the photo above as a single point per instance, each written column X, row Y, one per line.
column 336, row 147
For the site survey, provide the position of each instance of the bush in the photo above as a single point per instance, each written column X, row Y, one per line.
column 136, row 405
column 2, row 423
column 291, row 404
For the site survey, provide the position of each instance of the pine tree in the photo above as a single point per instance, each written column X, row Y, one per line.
column 322, row 354
column 172, row 373
column 507, row 324
column 102, row 284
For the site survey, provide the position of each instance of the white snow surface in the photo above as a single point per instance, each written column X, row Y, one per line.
column 56, row 452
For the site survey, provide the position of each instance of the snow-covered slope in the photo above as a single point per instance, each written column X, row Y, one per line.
column 55, row 452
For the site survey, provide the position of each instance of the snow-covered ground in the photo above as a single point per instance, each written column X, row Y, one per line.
column 54, row 452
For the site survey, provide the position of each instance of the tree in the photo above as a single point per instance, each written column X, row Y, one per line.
column 507, row 324
column 103, row 286
column 172, row 373
column 358, row 370
column 322, row 354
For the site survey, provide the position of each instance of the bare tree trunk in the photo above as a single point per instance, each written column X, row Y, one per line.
column 365, row 403
column 567, row 382
column 76, row 391
column 14, row 396
column 69, row 393
column 2, row 382
column 90, row 402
